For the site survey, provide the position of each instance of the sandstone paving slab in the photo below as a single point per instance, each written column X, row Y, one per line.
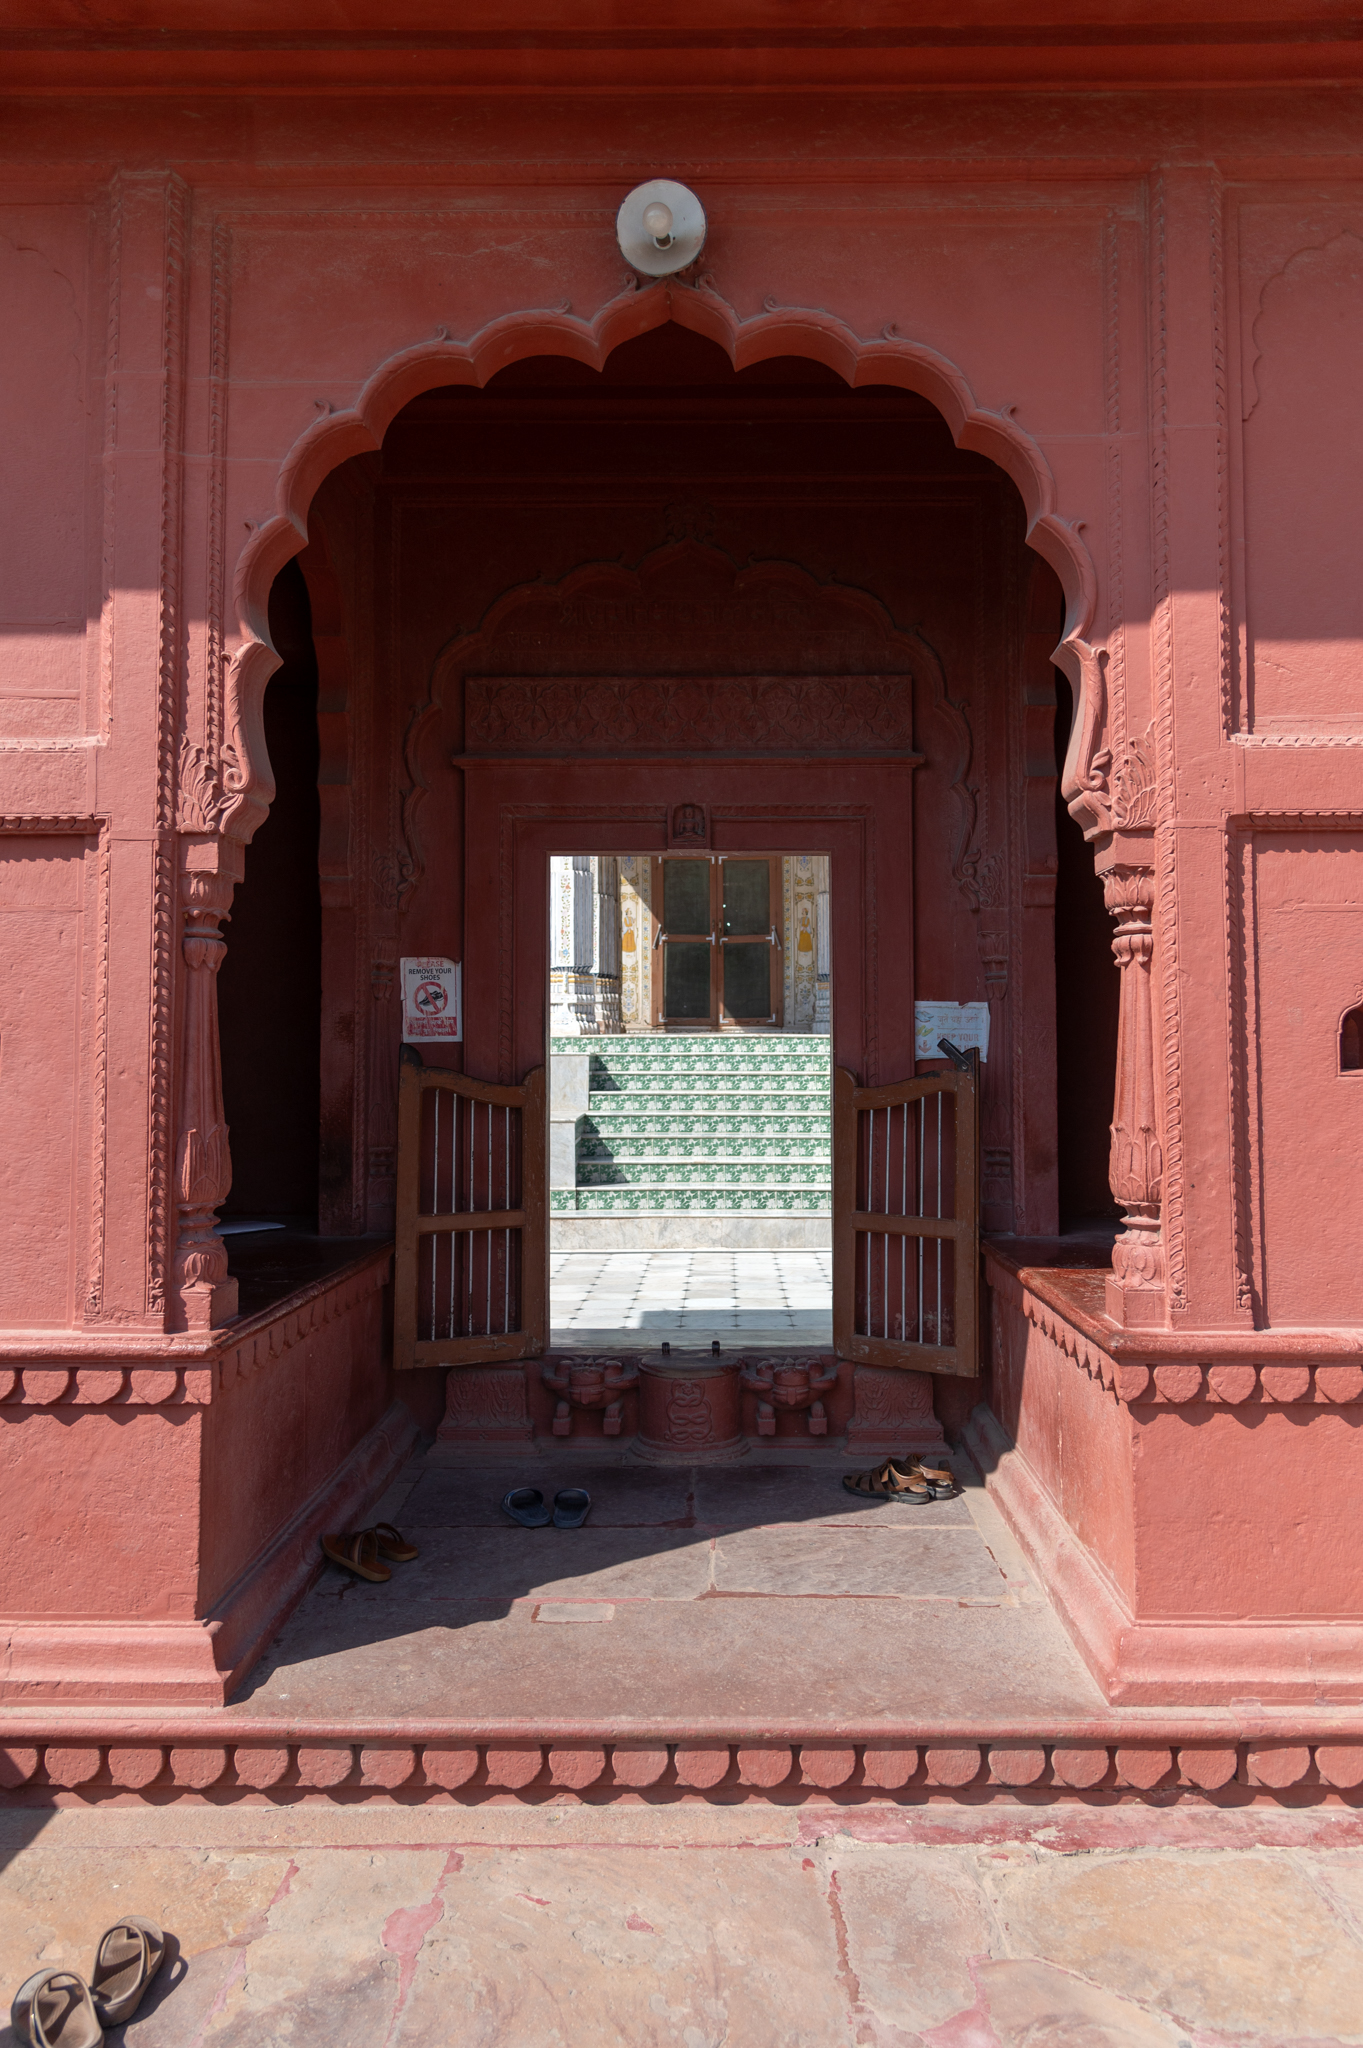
column 759, row 1495
column 1186, row 1934
column 823, row 1662
column 914, row 1919
column 623, row 1496
column 694, row 1946
column 920, row 1564
column 519, row 1564
column 385, row 1927
column 1025, row 2003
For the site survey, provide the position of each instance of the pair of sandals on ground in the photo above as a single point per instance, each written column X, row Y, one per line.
column 905, row 1479
column 59, row 2009
column 527, row 1505
column 362, row 1551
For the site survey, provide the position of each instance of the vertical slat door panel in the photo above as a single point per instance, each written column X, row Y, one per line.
column 906, row 1231
column 471, row 1258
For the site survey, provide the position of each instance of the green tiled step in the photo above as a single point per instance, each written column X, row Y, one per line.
column 762, row 1071
column 706, row 1125
column 699, row 1201
column 687, row 1173
column 663, row 1152
column 757, row 1045
column 611, row 1127
column 732, row 1099
column 739, row 1080
column 651, row 1066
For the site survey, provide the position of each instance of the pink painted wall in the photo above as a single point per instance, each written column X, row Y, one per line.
column 1141, row 299
column 271, row 332
column 1075, row 1436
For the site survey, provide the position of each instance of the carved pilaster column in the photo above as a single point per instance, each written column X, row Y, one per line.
column 204, row 1296
column 1135, row 1290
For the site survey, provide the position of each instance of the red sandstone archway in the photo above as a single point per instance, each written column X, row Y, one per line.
column 812, row 334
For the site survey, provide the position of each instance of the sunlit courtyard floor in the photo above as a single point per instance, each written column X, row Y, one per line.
column 692, row 1297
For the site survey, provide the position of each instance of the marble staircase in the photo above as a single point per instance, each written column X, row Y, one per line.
column 701, row 1141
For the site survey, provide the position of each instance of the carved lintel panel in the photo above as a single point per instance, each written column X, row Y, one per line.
column 203, row 1296
column 715, row 627
column 1136, row 1160
column 689, row 714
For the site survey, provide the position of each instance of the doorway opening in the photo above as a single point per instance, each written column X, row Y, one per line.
column 690, row 1138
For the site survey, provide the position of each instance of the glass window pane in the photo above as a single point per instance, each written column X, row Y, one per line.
column 686, row 895
column 747, row 896
column 747, row 981
column 686, row 980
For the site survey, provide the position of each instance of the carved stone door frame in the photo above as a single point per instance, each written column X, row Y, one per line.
column 518, row 813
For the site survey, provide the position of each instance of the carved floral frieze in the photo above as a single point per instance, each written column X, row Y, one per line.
column 692, row 714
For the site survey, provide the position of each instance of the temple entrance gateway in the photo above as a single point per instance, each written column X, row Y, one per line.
column 791, row 689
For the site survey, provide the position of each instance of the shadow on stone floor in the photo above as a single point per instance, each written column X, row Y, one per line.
column 765, row 1589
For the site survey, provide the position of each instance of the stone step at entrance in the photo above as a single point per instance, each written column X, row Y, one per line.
column 539, row 1664
column 734, row 1125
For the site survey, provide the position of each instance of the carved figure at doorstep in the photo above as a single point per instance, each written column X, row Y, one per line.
column 893, row 1411
column 589, row 1383
column 689, row 1413
column 789, row 1383
column 689, row 1420
column 485, row 1404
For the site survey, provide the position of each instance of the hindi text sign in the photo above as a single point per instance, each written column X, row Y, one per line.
column 965, row 1024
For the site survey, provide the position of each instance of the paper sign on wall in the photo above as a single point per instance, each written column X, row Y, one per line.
column 432, row 1001
column 965, row 1024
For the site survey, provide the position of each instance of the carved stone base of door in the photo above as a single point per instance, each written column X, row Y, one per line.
column 485, row 1404
column 893, row 1412
column 689, row 1414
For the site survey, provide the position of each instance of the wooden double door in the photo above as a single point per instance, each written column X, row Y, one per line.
column 717, row 932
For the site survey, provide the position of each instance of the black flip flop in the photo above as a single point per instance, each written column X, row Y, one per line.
column 571, row 1507
column 525, row 1504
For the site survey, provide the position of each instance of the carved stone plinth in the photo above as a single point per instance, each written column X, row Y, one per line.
column 589, row 1383
column 792, row 1384
column 893, row 1412
column 689, row 1413
column 485, row 1404
column 1135, row 1287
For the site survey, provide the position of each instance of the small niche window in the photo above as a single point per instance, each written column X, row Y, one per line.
column 1351, row 1042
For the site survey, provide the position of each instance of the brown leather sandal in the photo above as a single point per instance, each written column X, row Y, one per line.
column 894, row 1480
column 940, row 1479
column 53, row 2009
column 359, row 1554
column 127, row 1958
column 393, row 1544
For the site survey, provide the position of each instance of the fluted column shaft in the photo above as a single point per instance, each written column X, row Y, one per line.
column 203, row 1294
column 1136, row 1161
